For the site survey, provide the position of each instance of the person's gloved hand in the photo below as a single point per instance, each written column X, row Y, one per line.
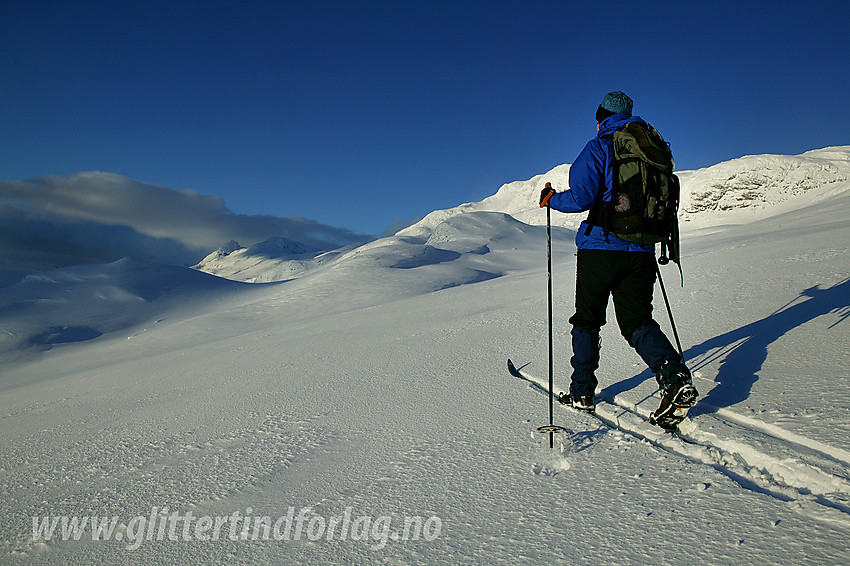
column 546, row 194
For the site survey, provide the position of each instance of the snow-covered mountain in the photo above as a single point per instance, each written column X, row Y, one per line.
column 276, row 259
column 763, row 181
column 754, row 182
column 373, row 386
column 757, row 185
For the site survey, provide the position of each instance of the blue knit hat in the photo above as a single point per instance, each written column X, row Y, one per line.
column 616, row 102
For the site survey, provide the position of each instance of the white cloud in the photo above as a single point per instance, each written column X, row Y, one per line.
column 97, row 216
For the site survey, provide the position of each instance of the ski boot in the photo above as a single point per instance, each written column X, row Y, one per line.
column 581, row 402
column 678, row 395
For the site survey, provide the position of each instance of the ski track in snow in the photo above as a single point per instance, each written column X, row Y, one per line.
column 787, row 477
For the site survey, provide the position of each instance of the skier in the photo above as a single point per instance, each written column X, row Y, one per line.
column 607, row 265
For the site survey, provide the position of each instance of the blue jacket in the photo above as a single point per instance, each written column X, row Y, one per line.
column 591, row 182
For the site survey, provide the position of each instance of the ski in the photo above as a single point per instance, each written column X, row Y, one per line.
column 543, row 388
column 551, row 428
column 612, row 414
column 516, row 373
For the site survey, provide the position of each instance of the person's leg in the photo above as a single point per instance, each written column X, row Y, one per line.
column 633, row 306
column 593, row 285
column 653, row 346
column 585, row 361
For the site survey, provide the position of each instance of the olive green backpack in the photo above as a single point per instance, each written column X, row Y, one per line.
column 645, row 197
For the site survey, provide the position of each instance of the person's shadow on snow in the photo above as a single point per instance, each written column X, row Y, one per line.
column 744, row 350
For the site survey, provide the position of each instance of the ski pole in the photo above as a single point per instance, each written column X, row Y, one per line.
column 669, row 312
column 551, row 347
column 551, row 428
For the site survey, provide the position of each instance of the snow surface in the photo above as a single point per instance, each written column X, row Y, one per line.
column 375, row 380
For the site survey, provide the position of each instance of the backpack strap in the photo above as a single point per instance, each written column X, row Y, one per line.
column 598, row 215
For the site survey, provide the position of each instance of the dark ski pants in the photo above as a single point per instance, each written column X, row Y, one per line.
column 629, row 278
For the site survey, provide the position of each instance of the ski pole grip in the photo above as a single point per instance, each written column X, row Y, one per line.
column 546, row 194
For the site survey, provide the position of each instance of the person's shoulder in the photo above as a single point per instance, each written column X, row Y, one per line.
column 595, row 147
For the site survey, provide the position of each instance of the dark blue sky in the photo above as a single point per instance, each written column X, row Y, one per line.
column 358, row 114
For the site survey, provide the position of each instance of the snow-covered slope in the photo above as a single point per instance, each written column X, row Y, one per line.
column 519, row 199
column 374, row 386
column 44, row 310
